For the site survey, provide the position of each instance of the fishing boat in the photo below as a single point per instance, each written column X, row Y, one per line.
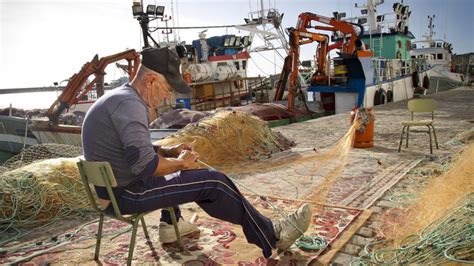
column 14, row 134
column 215, row 68
column 390, row 75
column 438, row 54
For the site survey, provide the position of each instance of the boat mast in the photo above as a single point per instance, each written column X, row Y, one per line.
column 431, row 33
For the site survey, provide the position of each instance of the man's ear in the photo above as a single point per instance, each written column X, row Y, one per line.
column 149, row 79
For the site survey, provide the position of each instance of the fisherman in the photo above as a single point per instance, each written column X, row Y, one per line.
column 150, row 177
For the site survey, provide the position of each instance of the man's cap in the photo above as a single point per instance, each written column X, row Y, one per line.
column 165, row 62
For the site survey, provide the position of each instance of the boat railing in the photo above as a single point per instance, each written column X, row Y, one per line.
column 264, row 15
column 390, row 69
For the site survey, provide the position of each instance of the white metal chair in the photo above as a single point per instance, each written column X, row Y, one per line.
column 420, row 106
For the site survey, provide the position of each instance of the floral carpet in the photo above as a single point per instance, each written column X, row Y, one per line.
column 217, row 243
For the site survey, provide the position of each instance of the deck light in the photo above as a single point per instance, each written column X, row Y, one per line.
column 237, row 41
column 271, row 13
column 245, row 41
column 150, row 9
column 232, row 41
column 226, row 42
column 160, row 10
column 137, row 9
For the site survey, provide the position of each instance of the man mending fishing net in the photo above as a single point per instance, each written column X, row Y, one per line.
column 116, row 130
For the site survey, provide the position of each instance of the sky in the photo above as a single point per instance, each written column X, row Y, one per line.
column 46, row 41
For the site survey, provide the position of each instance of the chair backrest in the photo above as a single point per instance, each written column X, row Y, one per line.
column 422, row 106
column 99, row 174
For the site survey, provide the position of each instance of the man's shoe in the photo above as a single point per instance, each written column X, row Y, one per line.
column 168, row 235
column 285, row 230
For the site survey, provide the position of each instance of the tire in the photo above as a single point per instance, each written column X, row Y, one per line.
column 380, row 97
column 426, row 82
column 389, row 96
column 415, row 79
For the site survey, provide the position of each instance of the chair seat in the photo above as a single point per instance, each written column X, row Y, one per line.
column 417, row 123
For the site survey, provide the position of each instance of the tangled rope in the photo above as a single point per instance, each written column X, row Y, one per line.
column 450, row 239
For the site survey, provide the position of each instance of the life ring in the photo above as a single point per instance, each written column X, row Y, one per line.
column 380, row 97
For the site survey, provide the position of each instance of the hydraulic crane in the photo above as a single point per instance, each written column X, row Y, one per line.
column 302, row 35
column 78, row 85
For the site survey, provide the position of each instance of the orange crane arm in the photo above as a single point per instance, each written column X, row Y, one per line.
column 301, row 35
column 346, row 28
column 77, row 86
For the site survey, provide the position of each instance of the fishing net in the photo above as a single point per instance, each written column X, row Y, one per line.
column 228, row 137
column 41, row 192
column 40, row 152
column 35, row 188
column 449, row 239
column 437, row 227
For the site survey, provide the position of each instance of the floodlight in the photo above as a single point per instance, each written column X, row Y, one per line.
column 237, row 40
column 150, row 9
column 137, row 9
column 245, row 41
column 404, row 10
column 232, row 41
column 226, row 41
column 271, row 13
column 397, row 7
column 160, row 10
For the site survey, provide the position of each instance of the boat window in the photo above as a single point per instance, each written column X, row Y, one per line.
column 244, row 64
column 237, row 65
column 440, row 56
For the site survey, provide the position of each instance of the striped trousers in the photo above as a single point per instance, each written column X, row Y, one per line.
column 213, row 191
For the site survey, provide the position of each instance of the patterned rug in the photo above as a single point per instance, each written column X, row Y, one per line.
column 218, row 242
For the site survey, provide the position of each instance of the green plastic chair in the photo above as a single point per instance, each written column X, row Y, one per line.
column 100, row 174
column 420, row 106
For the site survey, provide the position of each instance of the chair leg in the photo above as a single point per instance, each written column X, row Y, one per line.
column 408, row 131
column 144, row 228
column 132, row 242
column 176, row 229
column 436, row 139
column 99, row 237
column 401, row 139
column 431, row 144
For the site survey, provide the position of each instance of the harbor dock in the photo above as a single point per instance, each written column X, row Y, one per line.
column 370, row 183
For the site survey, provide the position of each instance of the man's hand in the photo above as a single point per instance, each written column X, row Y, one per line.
column 175, row 150
column 188, row 158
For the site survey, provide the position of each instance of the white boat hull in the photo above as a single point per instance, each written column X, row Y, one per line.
column 12, row 134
